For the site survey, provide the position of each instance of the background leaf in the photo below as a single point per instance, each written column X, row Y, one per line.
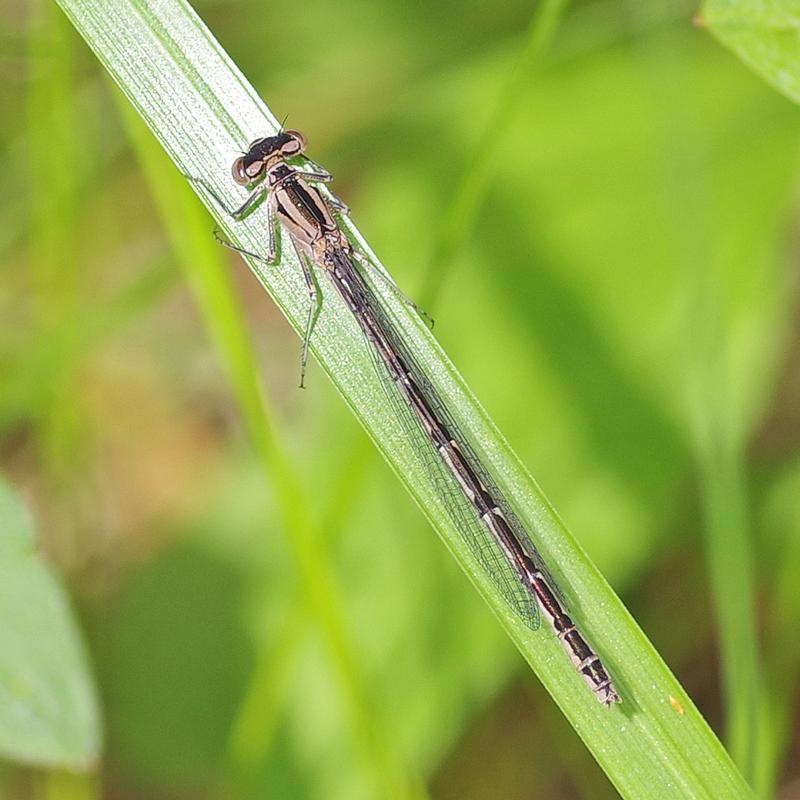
column 765, row 35
column 48, row 708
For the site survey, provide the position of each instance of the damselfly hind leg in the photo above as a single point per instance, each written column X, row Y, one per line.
column 393, row 287
column 338, row 205
column 269, row 261
column 314, row 308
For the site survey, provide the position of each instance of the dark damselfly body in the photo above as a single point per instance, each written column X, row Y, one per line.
column 489, row 526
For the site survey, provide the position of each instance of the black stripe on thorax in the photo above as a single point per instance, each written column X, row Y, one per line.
column 309, row 205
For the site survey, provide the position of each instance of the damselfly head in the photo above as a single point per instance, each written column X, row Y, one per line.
column 263, row 153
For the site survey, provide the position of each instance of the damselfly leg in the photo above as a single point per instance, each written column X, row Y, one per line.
column 386, row 281
column 270, row 258
column 313, row 311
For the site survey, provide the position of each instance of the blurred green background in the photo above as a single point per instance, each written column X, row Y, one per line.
column 625, row 305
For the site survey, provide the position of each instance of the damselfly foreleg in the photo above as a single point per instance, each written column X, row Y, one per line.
column 238, row 214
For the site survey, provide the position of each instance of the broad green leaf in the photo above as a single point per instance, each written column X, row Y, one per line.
column 48, row 710
column 765, row 34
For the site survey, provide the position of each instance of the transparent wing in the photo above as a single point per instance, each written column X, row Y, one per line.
column 475, row 534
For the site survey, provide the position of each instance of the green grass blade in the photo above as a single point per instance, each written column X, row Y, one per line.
column 52, row 127
column 782, row 662
column 459, row 216
column 257, row 717
column 203, row 111
column 731, row 570
column 717, row 432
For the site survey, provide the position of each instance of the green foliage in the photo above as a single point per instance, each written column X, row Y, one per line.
column 603, row 196
column 48, row 708
column 648, row 724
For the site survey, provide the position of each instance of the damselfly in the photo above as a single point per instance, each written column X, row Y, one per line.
column 486, row 521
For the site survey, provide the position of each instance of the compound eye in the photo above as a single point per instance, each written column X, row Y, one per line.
column 244, row 174
column 295, row 145
column 238, row 173
column 255, row 143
